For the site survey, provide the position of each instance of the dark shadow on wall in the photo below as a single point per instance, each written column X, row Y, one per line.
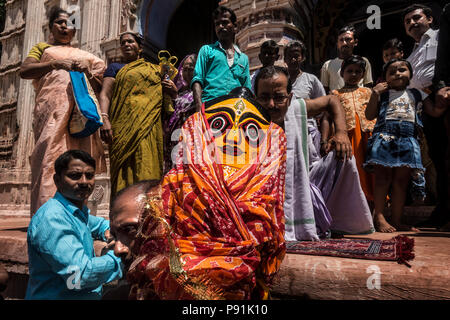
column 371, row 41
column 191, row 27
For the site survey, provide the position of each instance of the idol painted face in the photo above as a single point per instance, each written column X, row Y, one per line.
column 238, row 129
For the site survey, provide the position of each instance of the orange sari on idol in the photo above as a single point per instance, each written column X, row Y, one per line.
column 214, row 229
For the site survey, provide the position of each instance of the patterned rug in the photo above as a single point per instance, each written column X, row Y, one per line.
column 398, row 249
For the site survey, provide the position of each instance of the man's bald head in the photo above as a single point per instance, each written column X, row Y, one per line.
column 126, row 214
column 134, row 192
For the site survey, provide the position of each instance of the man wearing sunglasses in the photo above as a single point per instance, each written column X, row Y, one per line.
column 61, row 257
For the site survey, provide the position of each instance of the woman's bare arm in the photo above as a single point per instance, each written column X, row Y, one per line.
column 32, row 68
column 105, row 101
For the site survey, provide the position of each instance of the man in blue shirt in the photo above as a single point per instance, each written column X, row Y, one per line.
column 62, row 262
column 221, row 66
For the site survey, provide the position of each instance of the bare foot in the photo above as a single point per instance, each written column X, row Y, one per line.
column 381, row 225
column 405, row 227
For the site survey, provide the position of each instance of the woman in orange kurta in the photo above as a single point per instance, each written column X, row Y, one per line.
column 354, row 99
column 48, row 65
column 215, row 230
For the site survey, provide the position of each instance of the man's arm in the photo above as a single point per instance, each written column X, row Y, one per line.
column 62, row 248
column 199, row 77
column 197, row 94
column 325, row 77
column 340, row 141
column 437, row 109
column 248, row 82
column 98, row 227
column 368, row 81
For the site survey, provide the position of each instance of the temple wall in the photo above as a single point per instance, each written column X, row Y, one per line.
column 101, row 22
column 261, row 20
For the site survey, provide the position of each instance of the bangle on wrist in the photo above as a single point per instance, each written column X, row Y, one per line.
column 323, row 142
column 105, row 115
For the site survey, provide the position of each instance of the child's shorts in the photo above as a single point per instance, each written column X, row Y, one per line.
column 394, row 146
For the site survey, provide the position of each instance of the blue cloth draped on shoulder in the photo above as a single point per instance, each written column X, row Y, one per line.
column 85, row 118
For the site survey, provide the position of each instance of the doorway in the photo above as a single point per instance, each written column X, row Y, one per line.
column 190, row 27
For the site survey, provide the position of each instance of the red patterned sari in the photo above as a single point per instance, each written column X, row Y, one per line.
column 212, row 233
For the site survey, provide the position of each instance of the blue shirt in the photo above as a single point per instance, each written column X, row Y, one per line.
column 61, row 257
column 214, row 74
column 113, row 69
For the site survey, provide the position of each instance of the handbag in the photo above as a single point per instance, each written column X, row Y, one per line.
column 86, row 116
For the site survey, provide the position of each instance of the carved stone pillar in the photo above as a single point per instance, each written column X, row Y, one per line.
column 22, row 31
column 261, row 20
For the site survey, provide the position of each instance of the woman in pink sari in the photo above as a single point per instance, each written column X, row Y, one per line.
column 48, row 65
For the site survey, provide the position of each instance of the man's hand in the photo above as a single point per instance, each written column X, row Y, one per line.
column 341, row 143
column 110, row 242
column 107, row 234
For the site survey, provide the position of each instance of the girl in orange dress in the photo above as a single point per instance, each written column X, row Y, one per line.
column 354, row 99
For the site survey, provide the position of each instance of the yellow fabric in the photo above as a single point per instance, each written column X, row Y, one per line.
column 135, row 114
column 37, row 50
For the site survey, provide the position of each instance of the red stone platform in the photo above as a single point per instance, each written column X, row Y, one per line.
column 303, row 276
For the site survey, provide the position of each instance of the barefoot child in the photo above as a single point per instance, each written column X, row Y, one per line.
column 354, row 99
column 393, row 150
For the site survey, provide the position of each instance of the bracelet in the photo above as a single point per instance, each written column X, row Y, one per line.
column 105, row 115
column 323, row 142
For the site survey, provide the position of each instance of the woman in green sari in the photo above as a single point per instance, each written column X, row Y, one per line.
column 136, row 151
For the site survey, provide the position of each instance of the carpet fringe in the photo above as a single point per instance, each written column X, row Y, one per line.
column 404, row 248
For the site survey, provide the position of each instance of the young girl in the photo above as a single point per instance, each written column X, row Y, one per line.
column 392, row 49
column 354, row 99
column 393, row 150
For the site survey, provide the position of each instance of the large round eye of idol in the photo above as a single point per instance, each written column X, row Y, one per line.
column 219, row 123
column 253, row 132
